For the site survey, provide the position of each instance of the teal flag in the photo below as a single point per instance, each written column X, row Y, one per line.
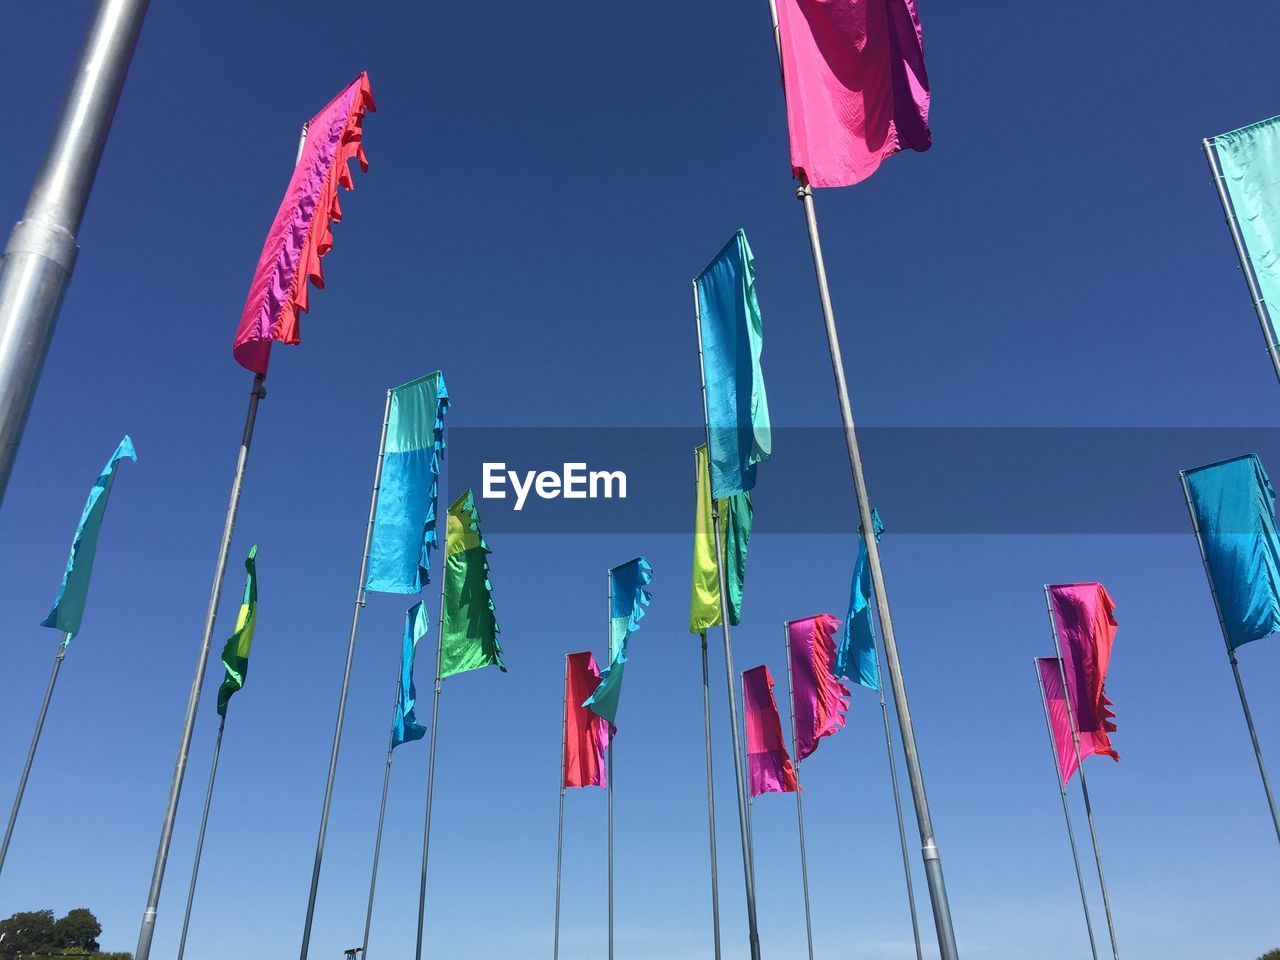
column 856, row 657
column 405, row 726
column 235, row 655
column 628, row 598
column 68, row 608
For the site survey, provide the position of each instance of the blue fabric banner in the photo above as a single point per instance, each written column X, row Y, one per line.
column 628, row 597
column 856, row 658
column 405, row 727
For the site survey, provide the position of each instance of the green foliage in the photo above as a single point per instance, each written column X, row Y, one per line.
column 35, row 934
column 1271, row 955
column 26, row 931
column 79, row 928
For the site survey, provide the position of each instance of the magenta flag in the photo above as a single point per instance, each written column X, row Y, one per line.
column 857, row 90
column 1084, row 616
column 770, row 765
column 1051, row 678
column 585, row 735
column 302, row 231
column 818, row 699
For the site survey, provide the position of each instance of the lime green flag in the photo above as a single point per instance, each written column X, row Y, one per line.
column 735, row 534
column 235, row 655
column 469, row 638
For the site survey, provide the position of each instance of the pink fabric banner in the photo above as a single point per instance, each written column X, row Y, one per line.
column 770, row 765
column 818, row 699
column 1063, row 748
column 302, row 233
column 856, row 85
column 585, row 735
column 1084, row 616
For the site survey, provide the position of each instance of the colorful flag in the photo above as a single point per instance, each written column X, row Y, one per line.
column 1235, row 509
column 302, row 231
column 1059, row 723
column 585, row 734
column 770, row 765
column 470, row 637
column 405, row 727
column 732, row 340
column 735, row 535
column 818, row 699
column 68, row 606
column 404, row 530
column 856, row 659
column 628, row 597
column 235, row 655
column 856, row 86
column 1084, row 614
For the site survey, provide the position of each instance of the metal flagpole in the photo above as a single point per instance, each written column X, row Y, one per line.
column 382, row 813
column 204, row 821
column 1066, row 810
column 257, row 393
column 609, row 753
column 564, row 713
column 346, row 683
column 711, row 799
column 744, row 825
column 1246, row 266
column 31, row 752
column 41, row 252
column 1231, row 656
column 431, row 755
column 1084, row 787
column 795, row 750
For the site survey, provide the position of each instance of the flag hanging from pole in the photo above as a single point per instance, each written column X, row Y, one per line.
column 302, row 231
column 405, row 727
column 628, row 597
column 1235, row 509
column 819, row 700
column 235, row 655
column 735, row 535
column 856, row 86
column 770, row 765
column 1085, row 617
column 404, row 529
column 732, row 341
column 68, row 606
column 585, row 733
column 1059, row 723
column 469, row 640
column 856, row 660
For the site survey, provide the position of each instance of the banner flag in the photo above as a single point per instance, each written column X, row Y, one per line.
column 1085, row 617
column 856, row 660
column 735, row 535
column 770, row 765
column 68, row 606
column 470, row 637
column 628, row 597
column 235, row 655
column 405, row 728
column 302, row 231
column 819, row 700
column 585, row 734
column 1059, row 722
column 404, row 530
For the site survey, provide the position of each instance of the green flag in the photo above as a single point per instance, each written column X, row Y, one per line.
column 235, row 655
column 469, row 635
column 735, row 534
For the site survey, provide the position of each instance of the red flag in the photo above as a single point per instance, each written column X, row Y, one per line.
column 1084, row 616
column 818, row 698
column 770, row 765
column 585, row 734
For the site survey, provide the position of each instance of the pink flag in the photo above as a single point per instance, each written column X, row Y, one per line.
column 857, row 90
column 1065, row 750
column 770, row 765
column 1084, row 616
column 585, row 734
column 818, row 699
column 302, row 233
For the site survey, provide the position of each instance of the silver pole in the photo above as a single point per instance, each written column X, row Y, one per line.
column 147, row 931
column 204, row 822
column 1066, row 810
column 609, row 754
column 744, row 826
column 1231, row 656
column 564, row 713
column 431, row 753
column 346, row 683
column 41, row 253
column 1084, row 787
column 795, row 752
column 31, row 752
column 382, row 813
column 711, row 799
column 1246, row 262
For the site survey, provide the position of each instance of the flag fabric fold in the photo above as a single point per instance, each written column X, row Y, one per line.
column 68, row 606
column 1235, row 509
column 770, row 769
column 735, row 536
column 302, row 231
column 856, row 86
column 732, row 341
column 819, row 700
column 469, row 640
column 856, row 659
column 1084, row 615
column 585, row 733
column 628, row 597
column 404, row 528
column 1059, row 723
column 235, row 655
column 405, row 727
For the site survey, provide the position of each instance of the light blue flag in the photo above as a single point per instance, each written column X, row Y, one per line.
column 406, row 726
column 732, row 341
column 68, row 608
column 856, row 658
column 628, row 598
column 1235, row 508
column 404, row 529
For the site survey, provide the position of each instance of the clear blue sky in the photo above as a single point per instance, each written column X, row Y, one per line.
column 546, row 179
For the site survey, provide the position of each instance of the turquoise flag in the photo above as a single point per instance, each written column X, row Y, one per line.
column 856, row 658
column 404, row 529
column 732, row 340
column 68, row 608
column 406, row 727
column 628, row 597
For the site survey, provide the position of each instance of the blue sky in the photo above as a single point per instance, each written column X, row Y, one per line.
column 545, row 181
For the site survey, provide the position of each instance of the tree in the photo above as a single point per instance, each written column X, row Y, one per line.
column 79, row 928
column 26, row 931
column 1271, row 955
column 36, row 935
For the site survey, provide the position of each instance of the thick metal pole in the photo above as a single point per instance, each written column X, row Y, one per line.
column 795, row 752
column 382, row 814
column 257, row 393
column 1231, row 656
column 1246, row 262
column 744, row 825
column 1084, row 787
column 431, row 761
column 608, row 621
column 346, row 683
column 31, row 752
column 711, row 799
column 41, row 253
column 204, row 822
column 1066, row 811
column 564, row 714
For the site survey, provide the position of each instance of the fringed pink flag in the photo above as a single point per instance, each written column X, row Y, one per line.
column 856, row 85
column 302, row 231
column 818, row 699
column 586, row 735
column 1084, row 616
column 770, row 765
